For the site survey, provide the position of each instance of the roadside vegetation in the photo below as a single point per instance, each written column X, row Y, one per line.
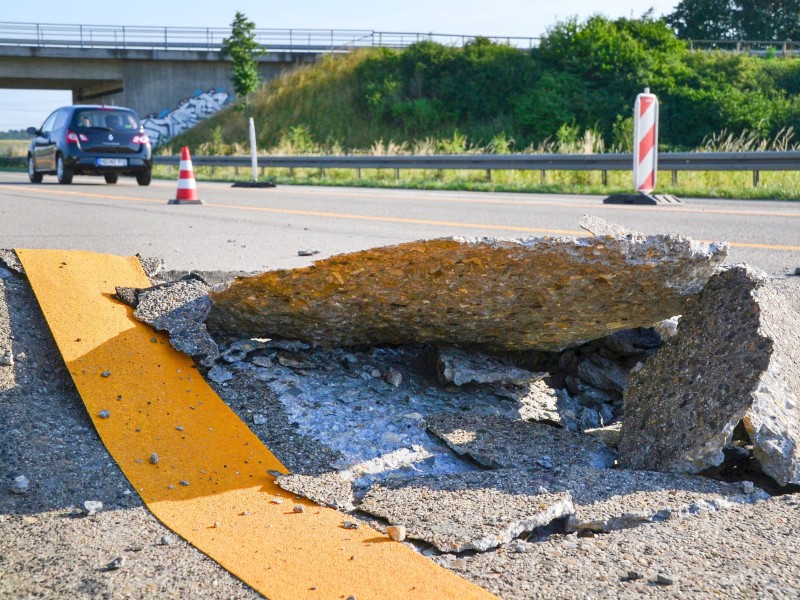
column 573, row 94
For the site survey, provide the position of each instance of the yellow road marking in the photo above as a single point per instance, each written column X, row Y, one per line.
column 435, row 223
column 211, row 483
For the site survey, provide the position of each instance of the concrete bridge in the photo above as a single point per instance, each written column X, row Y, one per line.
column 173, row 76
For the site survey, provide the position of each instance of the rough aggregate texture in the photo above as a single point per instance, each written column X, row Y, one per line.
column 497, row 442
column 467, row 511
column 734, row 358
column 538, row 293
column 747, row 551
column 179, row 307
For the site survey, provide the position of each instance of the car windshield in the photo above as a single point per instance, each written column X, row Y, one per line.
column 113, row 120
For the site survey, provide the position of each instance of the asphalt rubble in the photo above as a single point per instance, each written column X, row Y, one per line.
column 548, row 470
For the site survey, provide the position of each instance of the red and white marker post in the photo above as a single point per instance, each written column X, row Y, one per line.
column 645, row 142
column 187, row 187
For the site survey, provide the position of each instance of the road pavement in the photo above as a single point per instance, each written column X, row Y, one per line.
column 259, row 229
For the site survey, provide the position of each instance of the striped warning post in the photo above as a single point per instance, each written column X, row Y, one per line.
column 187, row 187
column 645, row 142
column 196, row 465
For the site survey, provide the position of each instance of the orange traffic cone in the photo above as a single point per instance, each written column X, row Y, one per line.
column 187, row 188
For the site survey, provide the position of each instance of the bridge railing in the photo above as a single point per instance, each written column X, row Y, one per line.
column 211, row 39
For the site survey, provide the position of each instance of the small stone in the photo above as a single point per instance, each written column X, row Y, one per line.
column 21, row 485
column 307, row 252
column 664, row 579
column 106, row 374
column 376, row 373
column 350, row 525
column 259, row 419
column 634, row 575
column 167, row 540
column 154, row 459
column 748, row 487
column 153, row 340
column 519, row 548
column 217, row 524
column 394, row 377
column 117, row 563
column 298, row 508
column 6, row 359
column 277, row 500
column 104, row 414
column 183, row 482
column 92, row 507
column 396, row 532
column 458, row 563
column 179, row 428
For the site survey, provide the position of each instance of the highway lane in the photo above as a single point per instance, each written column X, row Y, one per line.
column 257, row 229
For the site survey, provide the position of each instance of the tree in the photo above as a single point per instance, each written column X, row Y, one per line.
column 243, row 49
column 766, row 20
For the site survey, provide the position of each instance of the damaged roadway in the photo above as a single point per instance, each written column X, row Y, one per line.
column 488, row 460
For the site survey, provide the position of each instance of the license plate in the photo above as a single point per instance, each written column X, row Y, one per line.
column 112, row 162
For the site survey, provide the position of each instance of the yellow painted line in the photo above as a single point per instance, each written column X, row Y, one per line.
column 435, row 223
column 211, row 483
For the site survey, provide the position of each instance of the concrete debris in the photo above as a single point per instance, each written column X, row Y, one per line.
column 496, row 294
column 9, row 259
column 497, row 442
column 446, row 511
column 7, row 359
column 609, row 434
column 461, row 367
column 612, row 499
column 180, row 308
column 733, row 360
column 600, row 227
column 151, row 265
column 219, row 375
column 332, row 489
column 467, row 511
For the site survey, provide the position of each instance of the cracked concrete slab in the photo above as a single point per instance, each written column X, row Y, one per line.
column 467, row 511
column 734, row 359
column 497, row 442
column 494, row 293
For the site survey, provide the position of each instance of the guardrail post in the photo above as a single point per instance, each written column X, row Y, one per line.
column 674, row 178
column 291, row 172
column 604, row 177
column 489, row 175
column 756, row 178
column 543, row 176
column 358, row 173
column 397, row 174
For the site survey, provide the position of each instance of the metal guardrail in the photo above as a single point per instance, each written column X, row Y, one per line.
column 211, row 38
column 667, row 161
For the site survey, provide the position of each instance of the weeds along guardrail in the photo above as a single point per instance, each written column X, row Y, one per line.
column 667, row 161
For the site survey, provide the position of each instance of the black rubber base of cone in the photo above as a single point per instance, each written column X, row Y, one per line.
column 254, row 184
column 176, row 201
column 646, row 199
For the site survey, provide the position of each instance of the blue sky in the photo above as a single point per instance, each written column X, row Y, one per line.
column 525, row 18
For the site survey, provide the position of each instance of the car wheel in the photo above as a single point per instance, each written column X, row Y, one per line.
column 111, row 177
column 144, row 177
column 63, row 174
column 32, row 174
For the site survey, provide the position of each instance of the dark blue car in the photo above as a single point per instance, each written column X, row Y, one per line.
column 90, row 140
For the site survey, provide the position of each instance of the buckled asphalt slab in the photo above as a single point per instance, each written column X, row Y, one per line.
column 195, row 464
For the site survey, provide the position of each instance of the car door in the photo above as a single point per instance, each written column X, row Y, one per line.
column 45, row 145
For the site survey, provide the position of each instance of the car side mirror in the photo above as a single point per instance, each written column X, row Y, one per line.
column 32, row 131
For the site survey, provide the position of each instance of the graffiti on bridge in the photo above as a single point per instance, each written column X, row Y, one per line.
column 163, row 126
